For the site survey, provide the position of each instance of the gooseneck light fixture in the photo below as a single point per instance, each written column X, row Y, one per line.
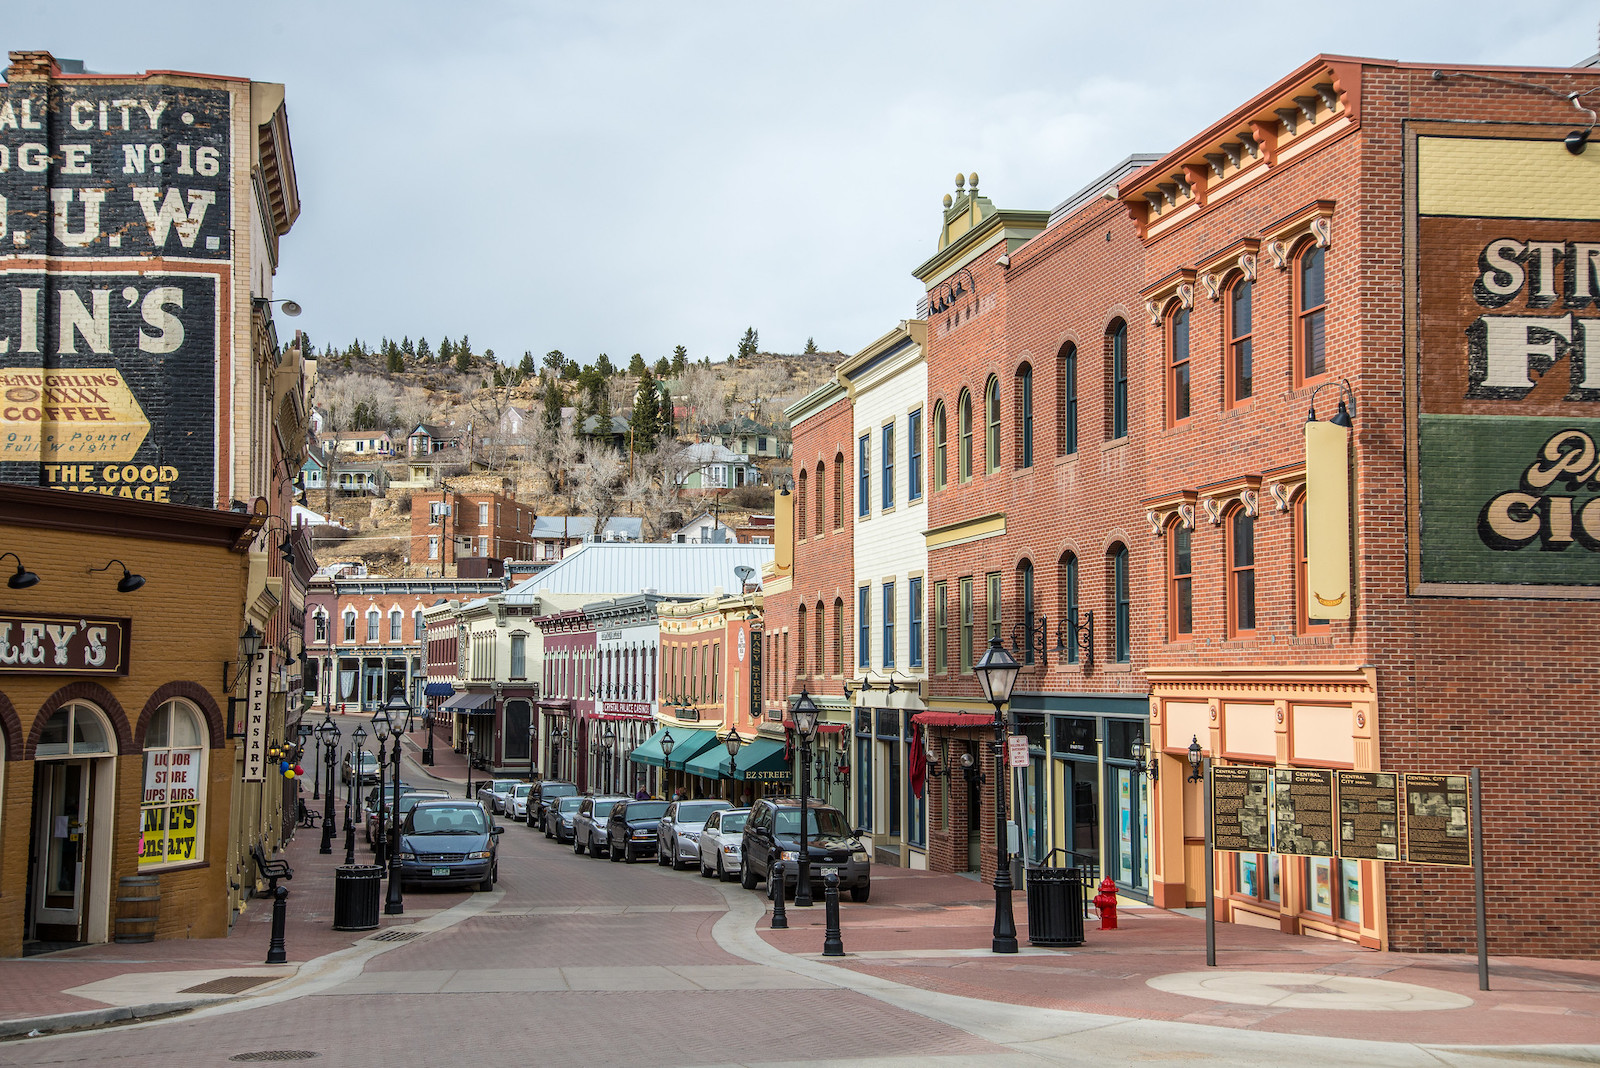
column 997, row 675
column 23, row 578
column 128, row 582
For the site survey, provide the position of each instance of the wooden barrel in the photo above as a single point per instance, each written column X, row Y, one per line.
column 138, row 905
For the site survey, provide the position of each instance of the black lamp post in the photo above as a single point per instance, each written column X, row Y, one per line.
column 381, row 725
column 667, row 742
column 533, row 748
column 399, row 717
column 328, row 735
column 303, row 734
column 805, row 724
column 358, row 736
column 427, row 754
column 608, row 742
column 997, row 674
column 471, row 736
column 733, row 743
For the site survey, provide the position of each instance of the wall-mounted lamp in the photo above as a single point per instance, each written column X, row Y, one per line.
column 938, row 759
column 1578, row 140
column 1076, row 632
column 945, row 293
column 1341, row 417
column 1148, row 760
column 1004, row 260
column 1195, row 774
column 23, row 578
column 128, row 582
column 1037, row 637
column 969, row 768
column 290, row 308
column 249, row 646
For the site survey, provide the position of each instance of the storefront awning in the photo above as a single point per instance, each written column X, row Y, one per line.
column 762, row 760
column 471, row 702
column 968, row 720
column 438, row 689
column 686, row 745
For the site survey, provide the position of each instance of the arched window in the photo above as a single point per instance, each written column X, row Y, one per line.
column 1068, row 601
column 1116, row 359
column 77, row 728
column 838, row 635
column 1308, row 622
column 938, row 446
column 1121, row 607
column 800, row 500
column 1241, row 573
column 418, row 630
column 321, row 619
column 821, row 489
column 800, row 629
column 991, row 425
column 964, row 419
column 1180, row 578
column 1239, row 371
column 397, row 623
column 838, row 491
column 1025, row 590
column 1177, row 325
column 374, row 620
column 1067, row 400
column 1310, row 311
column 819, row 631
column 174, row 787
column 349, row 624
column 1024, row 402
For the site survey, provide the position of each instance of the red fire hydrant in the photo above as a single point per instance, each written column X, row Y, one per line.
column 1106, row 902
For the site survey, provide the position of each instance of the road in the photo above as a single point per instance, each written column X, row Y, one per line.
column 577, row 961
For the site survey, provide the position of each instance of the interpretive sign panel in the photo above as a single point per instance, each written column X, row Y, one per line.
column 1303, row 800
column 1239, row 810
column 1438, row 820
column 1369, row 815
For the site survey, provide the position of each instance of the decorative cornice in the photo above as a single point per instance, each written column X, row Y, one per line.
column 1160, row 510
column 1315, row 218
column 1217, row 496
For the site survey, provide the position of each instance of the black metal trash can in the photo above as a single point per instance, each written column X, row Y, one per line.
column 357, row 892
column 1055, row 907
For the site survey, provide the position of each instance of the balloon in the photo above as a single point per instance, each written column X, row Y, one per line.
column 289, row 774
column 298, row 770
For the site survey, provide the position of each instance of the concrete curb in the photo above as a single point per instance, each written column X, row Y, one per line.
column 91, row 1018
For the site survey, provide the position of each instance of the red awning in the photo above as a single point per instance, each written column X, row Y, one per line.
column 969, row 720
column 822, row 728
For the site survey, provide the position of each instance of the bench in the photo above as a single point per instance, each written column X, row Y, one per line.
column 270, row 870
column 307, row 816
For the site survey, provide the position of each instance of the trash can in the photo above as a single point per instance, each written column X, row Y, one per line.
column 138, row 906
column 1055, row 907
column 356, row 893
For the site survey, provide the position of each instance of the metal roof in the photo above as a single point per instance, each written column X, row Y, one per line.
column 618, row 569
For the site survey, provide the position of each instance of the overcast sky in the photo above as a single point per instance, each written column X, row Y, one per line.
column 620, row 177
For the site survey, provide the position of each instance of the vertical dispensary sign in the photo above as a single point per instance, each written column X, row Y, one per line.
column 1504, row 258
column 115, row 247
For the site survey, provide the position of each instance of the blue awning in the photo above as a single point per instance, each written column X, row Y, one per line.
column 762, row 760
column 686, row 745
column 438, row 689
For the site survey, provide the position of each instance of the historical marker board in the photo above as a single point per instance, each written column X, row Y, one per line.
column 1438, row 820
column 1369, row 815
column 1303, row 798
column 1239, row 812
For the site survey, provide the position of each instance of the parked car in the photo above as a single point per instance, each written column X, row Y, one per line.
column 517, row 805
column 558, row 820
column 544, row 793
column 409, row 801
column 631, row 829
column 371, row 807
column 496, row 793
column 369, row 768
column 678, row 835
column 589, row 825
column 720, row 841
column 448, row 843
column 772, row 833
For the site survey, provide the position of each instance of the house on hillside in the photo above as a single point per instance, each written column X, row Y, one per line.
column 717, row 468
column 612, row 431
column 745, row 435
column 314, row 472
column 553, row 535
column 365, row 478
column 428, row 438
column 428, row 471
column 705, row 529
column 359, row 443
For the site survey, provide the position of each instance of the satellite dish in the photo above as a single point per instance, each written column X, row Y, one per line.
column 745, row 572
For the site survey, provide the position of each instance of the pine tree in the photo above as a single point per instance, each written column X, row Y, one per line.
column 811, row 346
column 424, row 353
column 554, row 361
column 552, row 406
column 666, row 425
column 646, row 418
column 447, row 350
column 463, row 360
column 570, row 370
column 465, row 346
column 527, row 366
column 749, row 344
column 603, row 364
column 680, row 360
column 397, row 362
column 499, row 376
column 636, row 366
column 406, row 347
column 663, row 368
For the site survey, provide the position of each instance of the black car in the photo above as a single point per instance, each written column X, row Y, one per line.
column 772, row 833
column 450, row 843
column 559, row 819
column 631, row 829
column 539, row 800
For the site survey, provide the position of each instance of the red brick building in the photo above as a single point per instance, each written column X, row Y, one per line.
column 446, row 526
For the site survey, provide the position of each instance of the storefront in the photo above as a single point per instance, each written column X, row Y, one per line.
column 117, row 762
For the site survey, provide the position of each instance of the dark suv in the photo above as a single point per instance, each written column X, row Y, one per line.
column 540, row 797
column 772, row 833
column 631, row 830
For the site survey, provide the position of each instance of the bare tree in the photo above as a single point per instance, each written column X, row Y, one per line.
column 349, row 402
column 489, row 407
column 706, row 396
column 601, row 485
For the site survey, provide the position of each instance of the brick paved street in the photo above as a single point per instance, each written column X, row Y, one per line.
column 579, row 961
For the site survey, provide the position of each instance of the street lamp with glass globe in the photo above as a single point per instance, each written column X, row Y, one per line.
column 667, row 742
column 399, row 717
column 358, row 736
column 380, row 730
column 328, row 735
column 608, row 744
column 805, row 725
column 471, row 736
column 997, row 674
column 733, row 743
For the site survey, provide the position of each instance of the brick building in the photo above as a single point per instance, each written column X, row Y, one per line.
column 447, row 525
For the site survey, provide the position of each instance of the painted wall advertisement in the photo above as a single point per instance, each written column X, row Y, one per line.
column 1505, row 371
column 107, row 364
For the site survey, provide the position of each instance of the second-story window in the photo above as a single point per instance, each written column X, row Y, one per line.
column 801, row 499
column 1239, row 372
column 1180, row 596
column 838, row 635
column 938, row 446
column 991, row 426
column 350, row 626
column 1067, row 400
column 1311, row 307
column 863, row 629
column 418, row 631
column 888, row 465
column 1025, row 579
column 1241, row 572
column 914, row 456
column 1069, row 602
column 864, row 490
column 838, row 490
column 322, row 627
column 1117, row 380
column 374, row 621
column 888, row 624
column 964, row 419
column 822, row 478
column 1121, row 605
column 992, row 604
column 914, row 621
column 966, row 625
column 941, row 627
column 1025, row 414
column 396, row 625
column 800, row 629
column 519, row 656
column 483, row 515
column 1178, row 370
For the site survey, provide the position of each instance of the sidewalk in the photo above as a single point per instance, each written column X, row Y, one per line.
column 934, row 931
column 105, row 983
